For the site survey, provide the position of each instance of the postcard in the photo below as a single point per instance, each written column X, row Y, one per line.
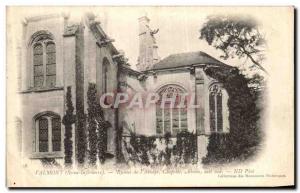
column 177, row 96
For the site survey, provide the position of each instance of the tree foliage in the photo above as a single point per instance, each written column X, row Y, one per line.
column 186, row 146
column 68, row 121
column 102, row 139
column 97, row 128
column 81, row 133
column 92, row 124
column 235, row 36
column 244, row 139
column 161, row 150
column 102, row 128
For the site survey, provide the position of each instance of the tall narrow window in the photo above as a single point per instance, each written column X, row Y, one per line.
column 43, row 135
column 56, row 134
column 48, row 133
column 105, row 71
column 212, row 112
column 50, row 65
column 219, row 112
column 159, row 119
column 44, row 60
column 172, row 119
column 38, row 67
column 215, row 108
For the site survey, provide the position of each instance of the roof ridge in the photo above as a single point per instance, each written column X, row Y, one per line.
column 193, row 52
column 185, row 53
column 187, row 59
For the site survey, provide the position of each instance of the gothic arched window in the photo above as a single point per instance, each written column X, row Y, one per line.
column 215, row 108
column 47, row 132
column 44, row 60
column 172, row 119
column 105, row 77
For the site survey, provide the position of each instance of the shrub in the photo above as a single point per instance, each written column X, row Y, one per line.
column 186, row 147
column 97, row 128
column 68, row 121
column 92, row 124
column 153, row 150
column 81, row 142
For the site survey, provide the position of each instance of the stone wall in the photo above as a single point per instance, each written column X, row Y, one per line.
column 34, row 103
column 53, row 25
column 143, row 121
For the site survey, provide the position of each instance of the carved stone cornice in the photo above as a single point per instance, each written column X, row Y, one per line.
column 192, row 70
column 142, row 77
column 102, row 39
column 153, row 73
column 71, row 30
column 105, row 42
column 199, row 76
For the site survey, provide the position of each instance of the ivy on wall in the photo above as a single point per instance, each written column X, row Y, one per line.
column 244, row 139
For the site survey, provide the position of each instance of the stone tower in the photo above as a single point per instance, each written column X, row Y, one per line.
column 147, row 45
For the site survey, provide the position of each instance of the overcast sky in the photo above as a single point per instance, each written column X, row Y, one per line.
column 178, row 27
column 178, row 31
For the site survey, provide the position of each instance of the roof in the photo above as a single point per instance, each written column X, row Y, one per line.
column 187, row 59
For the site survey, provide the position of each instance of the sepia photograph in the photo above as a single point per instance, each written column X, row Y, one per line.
column 157, row 96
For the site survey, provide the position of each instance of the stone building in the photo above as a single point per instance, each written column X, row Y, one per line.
column 57, row 52
column 177, row 73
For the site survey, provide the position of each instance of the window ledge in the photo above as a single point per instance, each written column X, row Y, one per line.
column 39, row 155
column 31, row 90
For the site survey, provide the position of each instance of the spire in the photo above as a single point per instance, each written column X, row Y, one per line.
column 148, row 55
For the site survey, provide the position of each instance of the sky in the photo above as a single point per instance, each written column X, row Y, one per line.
column 178, row 31
column 178, row 27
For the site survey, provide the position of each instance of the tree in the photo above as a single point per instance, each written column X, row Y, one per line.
column 102, row 127
column 92, row 124
column 97, row 128
column 245, row 136
column 68, row 121
column 235, row 36
column 81, row 133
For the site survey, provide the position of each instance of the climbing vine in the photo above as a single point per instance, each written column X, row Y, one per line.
column 244, row 139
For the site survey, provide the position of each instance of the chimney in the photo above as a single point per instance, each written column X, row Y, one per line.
column 147, row 45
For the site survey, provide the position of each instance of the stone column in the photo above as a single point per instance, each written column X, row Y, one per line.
column 200, row 100
column 202, row 139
